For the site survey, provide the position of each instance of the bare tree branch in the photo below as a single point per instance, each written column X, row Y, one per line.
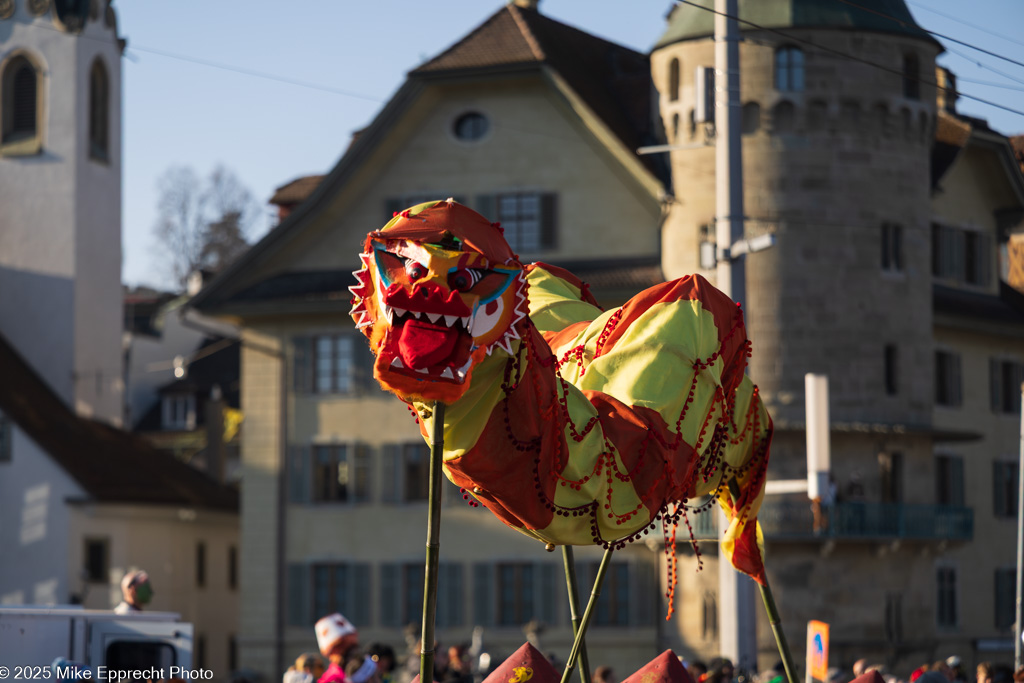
column 202, row 224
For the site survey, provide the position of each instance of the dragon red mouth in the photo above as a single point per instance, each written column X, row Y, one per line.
column 428, row 347
column 423, row 344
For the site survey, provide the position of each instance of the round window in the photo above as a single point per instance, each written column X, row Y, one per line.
column 471, row 126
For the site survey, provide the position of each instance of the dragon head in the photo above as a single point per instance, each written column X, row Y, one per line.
column 439, row 291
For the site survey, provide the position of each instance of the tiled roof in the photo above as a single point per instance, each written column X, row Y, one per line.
column 296, row 191
column 111, row 465
column 613, row 80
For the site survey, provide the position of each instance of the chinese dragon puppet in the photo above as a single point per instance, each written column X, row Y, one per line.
column 574, row 425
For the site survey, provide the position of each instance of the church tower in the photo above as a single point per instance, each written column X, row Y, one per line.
column 60, row 189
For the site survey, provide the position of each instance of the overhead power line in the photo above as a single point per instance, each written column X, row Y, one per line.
column 932, row 33
column 965, row 23
column 258, row 74
column 854, row 58
column 227, row 67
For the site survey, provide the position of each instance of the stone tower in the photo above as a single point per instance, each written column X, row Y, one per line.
column 60, row 189
column 838, row 115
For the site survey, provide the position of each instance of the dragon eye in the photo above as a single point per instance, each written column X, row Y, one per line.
column 463, row 279
column 415, row 271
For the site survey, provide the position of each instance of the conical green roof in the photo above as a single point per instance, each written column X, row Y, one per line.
column 687, row 22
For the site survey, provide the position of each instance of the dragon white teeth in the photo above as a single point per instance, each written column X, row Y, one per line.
column 449, row 320
column 397, row 363
column 433, row 317
column 447, row 373
column 399, row 312
column 422, row 371
column 461, row 372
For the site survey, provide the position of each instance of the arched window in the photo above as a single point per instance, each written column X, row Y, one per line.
column 673, row 80
column 911, row 77
column 20, row 107
column 99, row 112
column 789, row 69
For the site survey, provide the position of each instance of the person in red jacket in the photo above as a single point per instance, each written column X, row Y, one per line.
column 336, row 636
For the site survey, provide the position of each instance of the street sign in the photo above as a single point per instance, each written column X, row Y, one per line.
column 817, row 651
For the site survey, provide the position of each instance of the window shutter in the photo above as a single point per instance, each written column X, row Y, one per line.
column 999, row 501
column 23, row 111
column 483, row 594
column 302, row 365
column 1005, row 598
column 643, row 594
column 390, row 592
column 450, row 598
column 546, row 603
column 995, row 384
column 298, row 595
column 486, row 205
column 956, row 480
column 359, row 592
column 984, row 259
column 1018, row 379
column 298, row 474
column 548, row 221
column 362, row 365
column 957, row 385
column 362, row 474
column 390, row 488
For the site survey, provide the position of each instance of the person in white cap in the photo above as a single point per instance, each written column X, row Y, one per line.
column 336, row 636
column 136, row 591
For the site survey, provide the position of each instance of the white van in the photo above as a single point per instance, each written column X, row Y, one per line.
column 36, row 641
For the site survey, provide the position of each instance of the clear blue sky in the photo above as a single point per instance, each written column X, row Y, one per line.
column 179, row 110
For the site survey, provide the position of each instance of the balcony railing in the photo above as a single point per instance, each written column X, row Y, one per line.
column 868, row 521
column 885, row 521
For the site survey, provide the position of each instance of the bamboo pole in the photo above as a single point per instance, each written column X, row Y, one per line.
column 433, row 546
column 574, row 609
column 577, row 644
column 769, row 606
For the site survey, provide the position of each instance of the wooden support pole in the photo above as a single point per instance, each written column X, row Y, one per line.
column 769, row 606
column 433, row 546
column 595, row 592
column 574, row 609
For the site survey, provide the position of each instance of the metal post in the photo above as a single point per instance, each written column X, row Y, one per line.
column 595, row 592
column 1017, row 659
column 574, row 609
column 433, row 546
column 737, row 626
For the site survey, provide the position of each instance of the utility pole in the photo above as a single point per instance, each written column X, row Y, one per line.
column 737, row 625
column 1018, row 660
